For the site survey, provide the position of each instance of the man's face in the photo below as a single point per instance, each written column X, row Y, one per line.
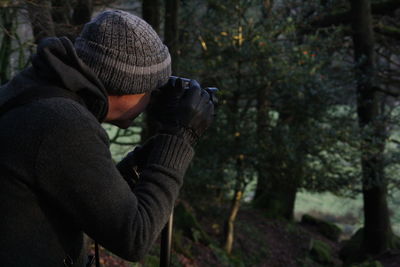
column 124, row 109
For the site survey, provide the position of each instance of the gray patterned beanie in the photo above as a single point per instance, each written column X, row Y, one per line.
column 125, row 52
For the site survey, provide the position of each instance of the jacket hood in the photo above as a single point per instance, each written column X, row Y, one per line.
column 57, row 64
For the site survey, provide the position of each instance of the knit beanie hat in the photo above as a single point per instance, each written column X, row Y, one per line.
column 125, row 52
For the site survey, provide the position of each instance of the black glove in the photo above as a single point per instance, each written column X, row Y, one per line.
column 133, row 164
column 183, row 110
column 164, row 102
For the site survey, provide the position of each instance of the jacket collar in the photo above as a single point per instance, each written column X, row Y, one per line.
column 57, row 63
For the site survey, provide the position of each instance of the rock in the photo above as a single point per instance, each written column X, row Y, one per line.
column 321, row 252
column 327, row 229
column 395, row 242
column 352, row 250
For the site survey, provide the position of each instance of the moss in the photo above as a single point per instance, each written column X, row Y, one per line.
column 152, row 261
column 185, row 220
column 223, row 258
column 327, row 229
column 180, row 245
column 321, row 252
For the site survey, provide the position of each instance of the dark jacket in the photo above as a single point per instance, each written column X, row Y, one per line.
column 57, row 178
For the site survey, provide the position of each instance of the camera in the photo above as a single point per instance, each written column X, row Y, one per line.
column 186, row 82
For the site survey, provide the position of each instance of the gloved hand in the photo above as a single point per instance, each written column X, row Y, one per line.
column 186, row 112
column 134, row 163
column 164, row 101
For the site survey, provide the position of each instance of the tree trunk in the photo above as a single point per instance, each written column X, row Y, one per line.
column 82, row 12
column 280, row 168
column 267, row 8
column 41, row 19
column 377, row 228
column 151, row 13
column 262, row 132
column 277, row 198
column 275, row 194
column 7, row 16
column 240, row 182
column 234, row 209
column 230, row 224
column 171, row 32
column 60, row 11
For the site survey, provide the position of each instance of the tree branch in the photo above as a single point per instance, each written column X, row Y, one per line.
column 387, row 92
column 388, row 31
column 385, row 8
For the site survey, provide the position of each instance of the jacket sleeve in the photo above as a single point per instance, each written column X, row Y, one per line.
column 128, row 167
column 75, row 172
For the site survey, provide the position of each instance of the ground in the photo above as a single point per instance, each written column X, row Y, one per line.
column 259, row 241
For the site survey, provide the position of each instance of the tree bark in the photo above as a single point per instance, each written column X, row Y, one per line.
column 275, row 193
column 234, row 209
column 230, row 224
column 240, row 181
column 262, row 132
column 60, row 11
column 276, row 198
column 383, row 8
column 282, row 169
column 171, row 32
column 82, row 12
column 41, row 19
column 377, row 228
column 151, row 13
column 7, row 20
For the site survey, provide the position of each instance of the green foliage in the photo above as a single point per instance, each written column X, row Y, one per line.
column 307, row 135
column 122, row 141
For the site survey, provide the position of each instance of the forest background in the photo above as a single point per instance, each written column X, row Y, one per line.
column 307, row 122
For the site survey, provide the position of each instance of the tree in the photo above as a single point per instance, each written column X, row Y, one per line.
column 171, row 31
column 275, row 99
column 7, row 19
column 377, row 228
column 151, row 14
column 292, row 109
column 59, row 18
column 374, row 82
column 41, row 19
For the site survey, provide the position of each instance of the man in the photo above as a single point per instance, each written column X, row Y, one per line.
column 57, row 178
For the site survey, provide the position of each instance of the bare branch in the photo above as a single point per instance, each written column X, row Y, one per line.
column 387, row 8
column 387, row 92
column 41, row 20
